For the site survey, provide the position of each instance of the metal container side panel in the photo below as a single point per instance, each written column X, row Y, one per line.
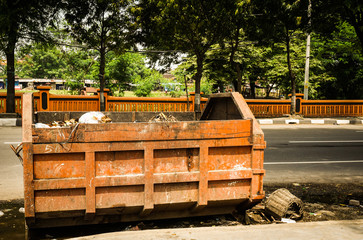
column 180, row 169
column 118, row 176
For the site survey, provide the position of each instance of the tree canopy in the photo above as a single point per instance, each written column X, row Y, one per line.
column 239, row 44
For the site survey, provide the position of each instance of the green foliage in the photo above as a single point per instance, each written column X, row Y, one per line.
column 144, row 86
column 41, row 61
column 342, row 60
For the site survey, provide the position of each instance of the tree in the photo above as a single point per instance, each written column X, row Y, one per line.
column 279, row 22
column 41, row 61
column 342, row 61
column 21, row 20
column 191, row 27
column 101, row 25
column 328, row 14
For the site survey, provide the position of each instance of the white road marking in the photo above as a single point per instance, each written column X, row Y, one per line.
column 12, row 142
column 358, row 131
column 313, row 162
column 338, row 141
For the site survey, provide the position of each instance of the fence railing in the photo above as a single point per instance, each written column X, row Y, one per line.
column 44, row 101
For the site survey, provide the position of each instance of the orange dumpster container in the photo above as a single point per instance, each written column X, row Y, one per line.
column 131, row 171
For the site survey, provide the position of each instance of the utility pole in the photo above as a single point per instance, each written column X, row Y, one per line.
column 307, row 61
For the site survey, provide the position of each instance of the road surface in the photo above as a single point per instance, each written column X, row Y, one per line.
column 320, row 154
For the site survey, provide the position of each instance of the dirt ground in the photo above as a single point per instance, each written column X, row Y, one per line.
column 322, row 202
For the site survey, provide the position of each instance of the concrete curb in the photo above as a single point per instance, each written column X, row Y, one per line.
column 10, row 122
column 310, row 121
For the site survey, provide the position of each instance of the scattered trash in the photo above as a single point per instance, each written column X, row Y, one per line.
column 353, row 202
column 296, row 184
column 21, row 210
column 1, row 214
column 283, row 204
column 17, row 151
column 94, row 117
column 287, row 220
column 161, row 117
column 325, row 212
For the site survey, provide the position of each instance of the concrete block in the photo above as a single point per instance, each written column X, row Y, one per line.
column 305, row 121
column 317, row 121
column 292, row 121
column 8, row 122
column 343, row 122
column 279, row 121
column 265, row 121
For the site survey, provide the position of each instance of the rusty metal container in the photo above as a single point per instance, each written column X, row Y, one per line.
column 130, row 171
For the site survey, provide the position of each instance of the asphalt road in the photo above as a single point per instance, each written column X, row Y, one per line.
column 11, row 170
column 308, row 153
column 294, row 153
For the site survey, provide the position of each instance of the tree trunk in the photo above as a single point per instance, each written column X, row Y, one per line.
column 253, row 88
column 10, row 67
column 198, row 78
column 102, row 77
column 291, row 75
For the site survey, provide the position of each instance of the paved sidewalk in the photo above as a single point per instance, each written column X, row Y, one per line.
column 332, row 230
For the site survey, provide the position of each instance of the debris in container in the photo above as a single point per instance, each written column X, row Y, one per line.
column 21, row 210
column 41, row 125
column 94, row 117
column 161, row 117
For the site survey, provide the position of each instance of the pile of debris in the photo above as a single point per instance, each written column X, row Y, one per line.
column 90, row 117
column 161, row 117
column 280, row 207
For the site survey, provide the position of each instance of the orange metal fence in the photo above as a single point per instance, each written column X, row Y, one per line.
column 44, row 101
column 268, row 107
column 18, row 102
column 332, row 108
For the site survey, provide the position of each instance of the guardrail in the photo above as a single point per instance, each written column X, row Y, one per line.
column 44, row 101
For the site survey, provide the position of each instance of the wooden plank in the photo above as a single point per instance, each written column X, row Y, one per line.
column 49, row 184
column 229, row 175
column 145, row 131
column 27, row 117
column 203, row 179
column 166, row 131
column 127, row 180
column 90, row 184
column 28, row 177
column 149, row 181
column 129, row 146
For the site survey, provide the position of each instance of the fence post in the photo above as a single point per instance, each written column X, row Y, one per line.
column 299, row 97
column 105, row 95
column 44, row 98
column 192, row 99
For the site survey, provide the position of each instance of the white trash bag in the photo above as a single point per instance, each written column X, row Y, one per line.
column 94, row 117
